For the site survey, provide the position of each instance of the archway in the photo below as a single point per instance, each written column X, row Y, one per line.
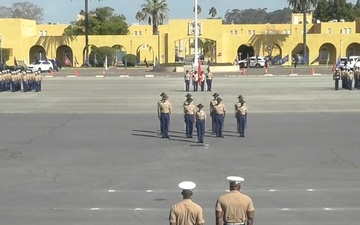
column 244, row 51
column 298, row 53
column 92, row 57
column 145, row 51
column 120, row 52
column 185, row 49
column 353, row 49
column 327, row 53
column 273, row 52
column 37, row 53
column 64, row 55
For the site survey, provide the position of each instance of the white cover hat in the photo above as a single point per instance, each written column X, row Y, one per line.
column 235, row 179
column 187, row 185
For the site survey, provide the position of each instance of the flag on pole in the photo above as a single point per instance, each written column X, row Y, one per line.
column 76, row 62
column 106, row 63
column 200, row 73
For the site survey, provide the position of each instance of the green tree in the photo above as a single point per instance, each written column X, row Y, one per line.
column 24, row 10
column 102, row 21
column 98, row 55
column 213, row 12
column 336, row 10
column 139, row 16
column 304, row 6
column 156, row 11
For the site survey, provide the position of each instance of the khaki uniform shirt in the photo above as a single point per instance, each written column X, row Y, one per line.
column 220, row 109
column 186, row 212
column 209, row 76
column 243, row 110
column 189, row 109
column 201, row 115
column 351, row 76
column 187, row 76
column 164, row 106
column 234, row 206
column 213, row 103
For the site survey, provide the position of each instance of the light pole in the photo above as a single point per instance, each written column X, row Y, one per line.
column 196, row 62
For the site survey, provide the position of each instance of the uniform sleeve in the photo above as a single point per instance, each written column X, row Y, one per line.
column 218, row 206
column 200, row 218
column 172, row 217
column 250, row 206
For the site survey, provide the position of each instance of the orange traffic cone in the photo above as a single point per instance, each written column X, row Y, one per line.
column 76, row 73
column 52, row 73
column 291, row 71
column 243, row 71
column 312, row 71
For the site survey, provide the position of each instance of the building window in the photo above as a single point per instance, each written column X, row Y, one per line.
column 140, row 32
column 235, row 32
column 341, row 31
column 249, row 32
column 329, row 31
column 43, row 33
column 231, row 32
column 349, row 30
column 136, row 32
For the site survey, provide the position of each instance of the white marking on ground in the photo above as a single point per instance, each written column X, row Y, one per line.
column 310, row 189
column 272, row 190
column 138, row 209
column 148, row 191
column 92, row 209
column 110, row 191
column 286, row 209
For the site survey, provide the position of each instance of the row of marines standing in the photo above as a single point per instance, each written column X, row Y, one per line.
column 198, row 116
column 13, row 80
column 348, row 77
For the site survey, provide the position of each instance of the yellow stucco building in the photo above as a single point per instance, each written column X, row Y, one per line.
column 326, row 41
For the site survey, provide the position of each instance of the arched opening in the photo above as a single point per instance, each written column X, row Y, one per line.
column 273, row 52
column 37, row 53
column 245, row 51
column 145, row 54
column 64, row 55
column 298, row 54
column 93, row 60
column 353, row 49
column 327, row 54
column 120, row 52
column 185, row 50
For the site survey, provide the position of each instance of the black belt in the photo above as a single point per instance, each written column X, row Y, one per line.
column 234, row 223
column 165, row 113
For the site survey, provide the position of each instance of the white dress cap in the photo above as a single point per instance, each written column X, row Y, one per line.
column 235, row 179
column 187, row 185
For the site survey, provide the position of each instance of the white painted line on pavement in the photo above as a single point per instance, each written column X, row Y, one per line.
column 124, row 76
column 138, row 209
column 310, row 189
column 148, row 191
column 286, row 209
column 111, row 191
column 71, row 76
column 327, row 209
column 272, row 190
column 98, row 76
column 149, row 76
column 92, row 209
column 293, row 74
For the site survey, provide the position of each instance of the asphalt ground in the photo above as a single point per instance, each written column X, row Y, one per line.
column 87, row 150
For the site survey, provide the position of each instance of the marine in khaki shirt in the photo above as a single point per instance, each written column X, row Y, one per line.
column 186, row 212
column 234, row 207
column 164, row 106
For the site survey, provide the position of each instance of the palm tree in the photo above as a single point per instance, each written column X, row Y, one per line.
column 213, row 12
column 87, row 32
column 139, row 16
column 156, row 12
column 303, row 6
column 198, row 9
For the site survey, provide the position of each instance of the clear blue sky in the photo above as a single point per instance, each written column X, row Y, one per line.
column 67, row 10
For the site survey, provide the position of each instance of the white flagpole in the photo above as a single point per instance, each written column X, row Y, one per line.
column 195, row 66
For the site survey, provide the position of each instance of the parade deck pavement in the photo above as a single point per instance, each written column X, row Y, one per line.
column 87, row 151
